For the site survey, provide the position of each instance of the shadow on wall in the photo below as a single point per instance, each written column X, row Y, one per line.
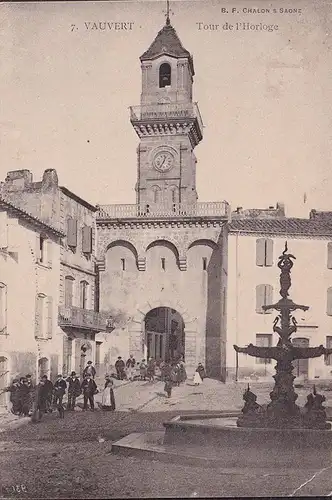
column 215, row 339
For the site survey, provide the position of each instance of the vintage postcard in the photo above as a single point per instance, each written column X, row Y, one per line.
column 165, row 249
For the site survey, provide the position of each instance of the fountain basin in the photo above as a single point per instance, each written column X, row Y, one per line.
column 214, row 440
column 243, row 446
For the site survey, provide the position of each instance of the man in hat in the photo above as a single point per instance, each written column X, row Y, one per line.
column 60, row 387
column 74, row 390
column 89, row 389
column 130, row 365
column 48, row 390
column 89, row 369
column 120, row 368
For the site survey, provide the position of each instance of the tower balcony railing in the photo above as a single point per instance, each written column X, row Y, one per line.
column 86, row 319
column 166, row 111
column 145, row 211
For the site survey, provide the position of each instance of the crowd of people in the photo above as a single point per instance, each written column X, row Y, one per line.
column 172, row 372
column 29, row 399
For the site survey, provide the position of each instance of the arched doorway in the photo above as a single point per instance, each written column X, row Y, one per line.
column 42, row 367
column 3, row 379
column 164, row 334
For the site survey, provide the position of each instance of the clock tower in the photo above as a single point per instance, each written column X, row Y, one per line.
column 168, row 124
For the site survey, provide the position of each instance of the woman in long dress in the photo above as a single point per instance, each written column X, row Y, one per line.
column 107, row 399
column 197, row 378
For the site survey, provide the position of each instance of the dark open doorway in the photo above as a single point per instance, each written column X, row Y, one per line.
column 164, row 334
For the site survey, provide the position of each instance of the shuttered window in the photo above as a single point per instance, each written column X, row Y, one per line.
column 72, row 233
column 49, row 305
column 263, row 340
column 69, row 288
column 87, row 239
column 328, row 358
column 84, row 286
column 49, row 250
column 329, row 255
column 40, row 316
column 329, row 302
column 3, row 309
column 264, row 297
column 264, row 252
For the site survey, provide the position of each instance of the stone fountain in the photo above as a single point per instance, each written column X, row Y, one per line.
column 279, row 434
column 282, row 412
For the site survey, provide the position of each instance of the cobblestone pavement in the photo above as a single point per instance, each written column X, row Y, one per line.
column 72, row 458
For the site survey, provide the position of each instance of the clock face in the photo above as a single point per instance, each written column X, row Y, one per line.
column 163, row 161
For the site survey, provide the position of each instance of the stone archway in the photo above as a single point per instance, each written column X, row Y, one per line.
column 136, row 329
column 164, row 338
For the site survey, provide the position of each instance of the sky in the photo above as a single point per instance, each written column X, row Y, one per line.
column 265, row 97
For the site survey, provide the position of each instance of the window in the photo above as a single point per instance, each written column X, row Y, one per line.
column 264, row 252
column 264, row 297
column 87, row 239
column 329, row 255
column 204, row 263
column 84, row 294
column 328, row 358
column 123, row 264
column 69, row 287
column 263, row 340
column 44, row 316
column 163, row 264
column 72, row 233
column 329, row 302
column 164, row 75
column 3, row 308
column 156, row 194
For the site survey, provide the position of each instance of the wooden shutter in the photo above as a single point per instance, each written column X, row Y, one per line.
column 39, row 316
column 72, row 233
column 329, row 302
column 329, row 255
column 3, row 230
column 260, row 252
column 69, row 282
column 87, row 239
column 268, row 252
column 49, row 317
column 49, row 250
column 268, row 299
column 260, row 298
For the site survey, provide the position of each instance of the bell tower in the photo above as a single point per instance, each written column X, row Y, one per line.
column 168, row 124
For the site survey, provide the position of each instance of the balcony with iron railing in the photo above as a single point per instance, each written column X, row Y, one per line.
column 86, row 319
column 165, row 111
column 219, row 209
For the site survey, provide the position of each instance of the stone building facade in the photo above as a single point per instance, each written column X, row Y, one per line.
column 167, row 250
column 78, row 319
column 256, row 239
column 29, row 294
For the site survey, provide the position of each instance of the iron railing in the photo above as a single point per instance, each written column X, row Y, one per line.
column 166, row 111
column 76, row 317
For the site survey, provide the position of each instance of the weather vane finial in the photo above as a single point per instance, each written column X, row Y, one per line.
column 168, row 12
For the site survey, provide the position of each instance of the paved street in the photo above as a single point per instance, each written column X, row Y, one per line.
column 72, row 458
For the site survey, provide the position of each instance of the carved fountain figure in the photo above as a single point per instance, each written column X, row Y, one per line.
column 282, row 411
